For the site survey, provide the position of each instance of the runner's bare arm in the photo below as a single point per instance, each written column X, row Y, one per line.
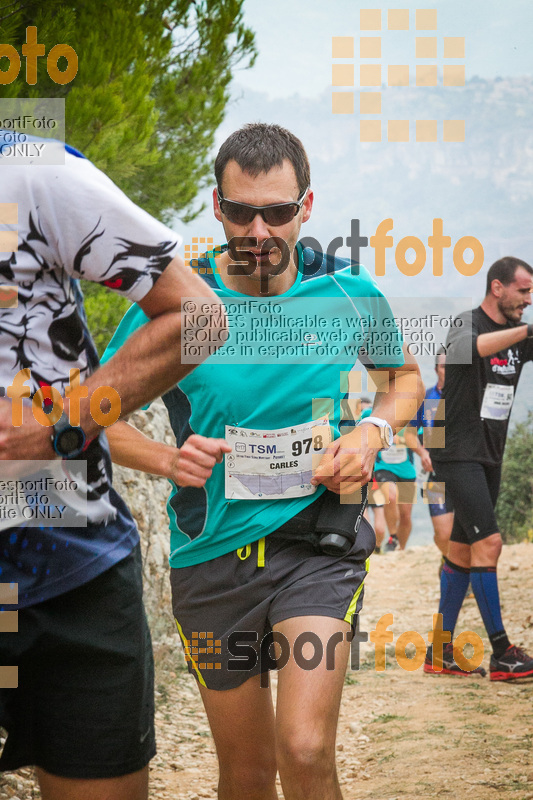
column 190, row 465
column 145, row 367
column 490, row 343
column 348, row 462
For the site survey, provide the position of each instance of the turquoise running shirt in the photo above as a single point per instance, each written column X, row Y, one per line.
column 278, row 369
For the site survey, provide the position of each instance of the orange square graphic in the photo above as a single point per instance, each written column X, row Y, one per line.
column 322, row 407
column 9, row 592
column 406, row 382
column 350, row 408
column 354, row 498
column 398, row 19
column 342, row 46
column 406, row 492
column 9, row 298
column 9, row 677
column 426, row 131
column 370, row 19
column 370, row 130
column 453, row 130
column 405, row 408
column 342, row 75
column 370, row 46
column 9, row 621
column 453, row 75
column 377, row 381
column 9, row 214
column 426, row 75
column 454, row 47
column 398, row 75
column 426, row 19
column 9, row 241
column 327, row 468
column 426, row 47
column 368, row 436
column 342, row 102
column 435, row 411
column 350, row 464
column 370, row 102
column 398, row 130
column 370, row 75
column 351, row 381
column 434, row 437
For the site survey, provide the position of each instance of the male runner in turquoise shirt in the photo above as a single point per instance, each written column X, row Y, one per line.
column 245, row 561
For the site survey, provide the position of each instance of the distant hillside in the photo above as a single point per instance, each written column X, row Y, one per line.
column 482, row 187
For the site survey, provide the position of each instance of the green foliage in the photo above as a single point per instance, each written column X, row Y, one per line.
column 104, row 311
column 515, row 503
column 151, row 89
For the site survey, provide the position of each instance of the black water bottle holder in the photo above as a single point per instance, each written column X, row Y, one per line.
column 337, row 523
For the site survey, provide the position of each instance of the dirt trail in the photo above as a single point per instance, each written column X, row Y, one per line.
column 401, row 734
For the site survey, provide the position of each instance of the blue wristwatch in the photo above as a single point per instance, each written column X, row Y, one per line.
column 68, row 440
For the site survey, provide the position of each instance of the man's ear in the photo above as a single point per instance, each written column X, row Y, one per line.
column 496, row 287
column 216, row 207
column 307, row 206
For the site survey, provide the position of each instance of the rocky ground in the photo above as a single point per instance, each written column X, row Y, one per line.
column 402, row 734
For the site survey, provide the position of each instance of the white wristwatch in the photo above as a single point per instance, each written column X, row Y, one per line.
column 385, row 430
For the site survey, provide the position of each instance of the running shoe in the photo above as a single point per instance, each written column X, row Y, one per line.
column 449, row 667
column 392, row 544
column 513, row 664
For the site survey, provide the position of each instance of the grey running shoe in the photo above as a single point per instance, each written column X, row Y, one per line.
column 513, row 664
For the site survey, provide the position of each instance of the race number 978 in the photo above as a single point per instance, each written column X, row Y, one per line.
column 304, row 446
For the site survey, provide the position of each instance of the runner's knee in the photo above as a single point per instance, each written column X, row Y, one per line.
column 392, row 492
column 489, row 548
column 306, row 754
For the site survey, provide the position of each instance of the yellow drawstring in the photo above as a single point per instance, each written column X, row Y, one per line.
column 244, row 552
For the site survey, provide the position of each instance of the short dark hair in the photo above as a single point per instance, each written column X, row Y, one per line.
column 504, row 269
column 258, row 147
column 440, row 352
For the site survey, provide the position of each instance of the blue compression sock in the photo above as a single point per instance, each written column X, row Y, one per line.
column 454, row 582
column 484, row 582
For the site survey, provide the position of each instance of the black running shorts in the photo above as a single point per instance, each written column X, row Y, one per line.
column 434, row 494
column 406, row 486
column 473, row 489
column 84, row 703
column 224, row 608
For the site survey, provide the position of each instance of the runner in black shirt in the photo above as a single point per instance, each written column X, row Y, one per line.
column 486, row 350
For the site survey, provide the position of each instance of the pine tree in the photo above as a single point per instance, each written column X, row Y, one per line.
column 151, row 89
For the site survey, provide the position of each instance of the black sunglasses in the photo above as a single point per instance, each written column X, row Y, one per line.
column 276, row 214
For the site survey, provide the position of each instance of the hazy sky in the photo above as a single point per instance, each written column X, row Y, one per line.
column 294, row 38
column 292, row 75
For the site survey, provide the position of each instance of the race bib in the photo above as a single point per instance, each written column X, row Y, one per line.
column 274, row 464
column 497, row 401
column 396, row 454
